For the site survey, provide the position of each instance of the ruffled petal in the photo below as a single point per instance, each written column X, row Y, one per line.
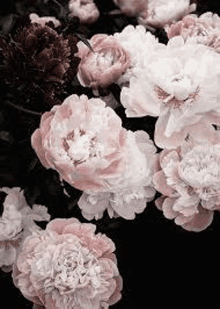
column 93, row 205
column 163, row 141
column 200, row 221
column 127, row 210
column 160, row 183
column 167, row 208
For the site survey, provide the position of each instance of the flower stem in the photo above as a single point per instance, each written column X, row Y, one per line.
column 25, row 110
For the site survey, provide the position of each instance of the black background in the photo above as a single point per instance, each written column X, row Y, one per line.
column 161, row 264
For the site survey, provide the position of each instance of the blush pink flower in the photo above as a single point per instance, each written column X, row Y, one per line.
column 204, row 29
column 86, row 10
column 43, row 20
column 83, row 140
column 189, row 179
column 176, row 85
column 105, row 65
column 129, row 193
column 140, row 44
column 132, row 7
column 68, row 266
column 164, row 12
column 16, row 223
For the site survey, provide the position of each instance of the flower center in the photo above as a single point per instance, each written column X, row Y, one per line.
column 80, row 146
column 74, row 267
column 105, row 60
column 200, row 168
column 177, row 92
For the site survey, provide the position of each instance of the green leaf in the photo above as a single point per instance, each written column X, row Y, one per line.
column 85, row 41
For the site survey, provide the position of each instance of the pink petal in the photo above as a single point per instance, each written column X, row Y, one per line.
column 116, row 296
column 92, row 209
column 202, row 131
column 58, row 225
column 81, row 230
column 167, row 142
column 160, row 183
column 36, row 142
column 168, row 156
column 128, row 210
column 159, row 202
column 200, row 221
column 167, row 208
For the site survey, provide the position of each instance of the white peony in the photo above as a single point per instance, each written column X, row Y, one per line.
column 140, row 44
column 43, row 20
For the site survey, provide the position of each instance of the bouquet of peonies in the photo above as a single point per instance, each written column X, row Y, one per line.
column 105, row 108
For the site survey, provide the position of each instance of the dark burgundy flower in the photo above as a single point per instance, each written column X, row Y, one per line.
column 35, row 62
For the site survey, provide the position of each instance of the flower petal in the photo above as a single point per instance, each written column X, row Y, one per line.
column 163, row 141
column 167, row 208
column 160, row 183
column 200, row 221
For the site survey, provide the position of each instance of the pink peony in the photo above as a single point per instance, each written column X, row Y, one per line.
column 204, row 29
column 105, row 65
column 84, row 141
column 165, row 12
column 68, row 266
column 189, row 179
column 43, row 20
column 86, row 10
column 132, row 7
column 16, row 223
column 179, row 81
column 129, row 193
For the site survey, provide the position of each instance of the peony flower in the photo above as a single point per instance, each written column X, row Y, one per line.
column 140, row 44
column 43, row 20
column 179, row 81
column 16, row 222
column 104, row 65
column 189, row 179
column 86, row 10
column 129, row 193
column 68, row 266
column 204, row 29
column 83, row 140
column 132, row 7
column 34, row 63
column 163, row 12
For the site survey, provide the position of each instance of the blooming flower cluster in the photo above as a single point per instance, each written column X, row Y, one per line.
column 121, row 116
column 116, row 58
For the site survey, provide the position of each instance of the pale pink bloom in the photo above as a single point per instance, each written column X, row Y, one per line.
column 179, row 81
column 129, row 193
column 164, row 12
column 204, row 29
column 189, row 179
column 83, row 140
column 86, row 10
column 68, row 266
column 16, row 223
column 43, row 20
column 132, row 7
column 140, row 44
column 105, row 65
